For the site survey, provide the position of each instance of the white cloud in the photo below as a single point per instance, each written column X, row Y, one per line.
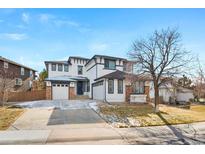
column 13, row 36
column 98, row 47
column 25, row 17
column 44, row 18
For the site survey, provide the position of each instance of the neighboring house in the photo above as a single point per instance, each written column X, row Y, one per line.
column 105, row 78
column 15, row 76
column 171, row 93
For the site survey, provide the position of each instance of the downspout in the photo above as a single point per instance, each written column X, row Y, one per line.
column 105, row 99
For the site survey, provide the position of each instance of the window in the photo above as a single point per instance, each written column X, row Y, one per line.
column 120, row 86
column 6, row 65
column 53, row 67
column 139, row 87
column 110, row 86
column 22, row 71
column 109, row 64
column 65, row 68
column 60, row 67
column 80, row 70
column 31, row 73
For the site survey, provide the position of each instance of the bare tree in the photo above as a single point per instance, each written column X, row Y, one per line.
column 200, row 81
column 6, row 83
column 162, row 56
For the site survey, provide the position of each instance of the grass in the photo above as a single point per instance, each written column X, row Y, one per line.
column 168, row 115
column 8, row 116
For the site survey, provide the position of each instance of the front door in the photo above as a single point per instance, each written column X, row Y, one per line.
column 80, row 87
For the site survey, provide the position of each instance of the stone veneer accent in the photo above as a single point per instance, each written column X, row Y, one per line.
column 128, row 90
column 48, row 92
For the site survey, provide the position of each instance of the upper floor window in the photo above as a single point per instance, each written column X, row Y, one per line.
column 31, row 73
column 110, row 64
column 80, row 70
column 139, row 87
column 60, row 67
column 53, row 67
column 65, row 68
column 120, row 86
column 6, row 65
column 110, row 86
column 22, row 71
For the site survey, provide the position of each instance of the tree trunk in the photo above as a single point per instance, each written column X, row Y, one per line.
column 156, row 99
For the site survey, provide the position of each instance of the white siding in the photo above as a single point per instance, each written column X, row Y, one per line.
column 101, row 71
column 99, row 92
column 72, row 69
column 184, row 97
column 90, row 73
column 115, row 97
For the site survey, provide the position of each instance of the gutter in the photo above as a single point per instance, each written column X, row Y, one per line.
column 105, row 99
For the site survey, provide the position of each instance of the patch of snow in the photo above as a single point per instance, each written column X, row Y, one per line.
column 94, row 106
column 133, row 122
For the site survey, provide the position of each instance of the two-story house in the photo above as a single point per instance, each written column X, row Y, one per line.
column 101, row 77
column 15, row 76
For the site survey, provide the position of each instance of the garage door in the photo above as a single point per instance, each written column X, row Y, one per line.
column 59, row 91
column 98, row 91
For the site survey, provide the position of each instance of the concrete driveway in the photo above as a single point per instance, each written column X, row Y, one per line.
column 57, row 114
column 51, row 122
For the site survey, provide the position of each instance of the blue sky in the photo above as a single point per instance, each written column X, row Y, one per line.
column 31, row 36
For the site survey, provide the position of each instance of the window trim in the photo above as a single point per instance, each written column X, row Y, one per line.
column 108, row 60
column 139, row 90
column 111, row 92
column 22, row 71
column 6, row 65
column 80, row 66
column 64, row 68
column 118, row 87
column 52, row 67
column 61, row 68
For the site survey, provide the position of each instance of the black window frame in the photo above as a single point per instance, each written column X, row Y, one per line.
column 80, row 66
column 67, row 68
column 52, row 67
column 61, row 67
column 120, row 90
column 110, row 92
column 108, row 66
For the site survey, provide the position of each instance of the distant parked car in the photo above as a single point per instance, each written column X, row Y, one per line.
column 201, row 100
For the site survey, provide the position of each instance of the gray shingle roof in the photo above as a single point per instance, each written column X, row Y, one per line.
column 120, row 75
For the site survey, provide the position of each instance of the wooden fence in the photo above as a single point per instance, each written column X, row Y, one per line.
column 26, row 96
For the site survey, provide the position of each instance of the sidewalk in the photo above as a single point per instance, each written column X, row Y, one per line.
column 59, row 136
column 174, row 134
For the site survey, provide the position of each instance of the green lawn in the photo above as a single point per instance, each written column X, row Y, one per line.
column 145, row 115
column 8, row 116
